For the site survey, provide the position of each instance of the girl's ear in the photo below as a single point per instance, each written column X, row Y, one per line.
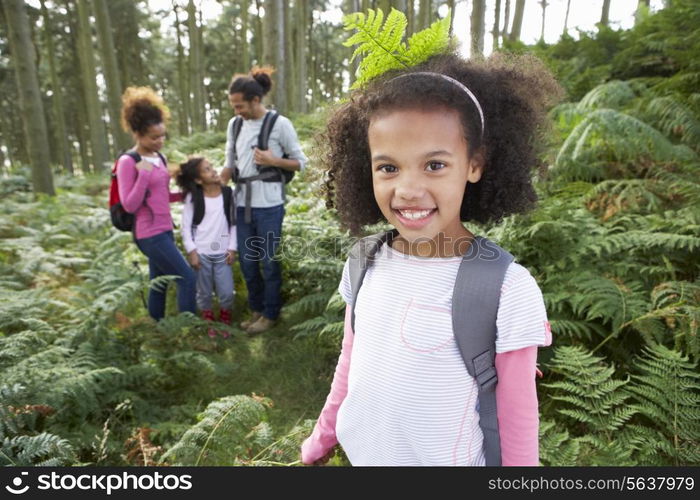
column 476, row 166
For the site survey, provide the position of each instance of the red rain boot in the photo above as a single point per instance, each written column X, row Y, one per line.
column 225, row 318
column 208, row 315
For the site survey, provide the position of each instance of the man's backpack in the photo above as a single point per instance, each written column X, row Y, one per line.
column 199, row 206
column 281, row 174
column 475, row 301
column 121, row 219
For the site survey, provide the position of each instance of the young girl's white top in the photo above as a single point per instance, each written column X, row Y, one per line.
column 212, row 236
column 410, row 400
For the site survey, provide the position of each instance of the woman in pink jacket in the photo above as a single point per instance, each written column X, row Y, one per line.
column 144, row 190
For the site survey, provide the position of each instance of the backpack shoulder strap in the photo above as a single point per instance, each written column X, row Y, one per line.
column 475, row 300
column 162, row 158
column 198, row 200
column 229, row 205
column 266, row 129
column 361, row 255
column 235, row 132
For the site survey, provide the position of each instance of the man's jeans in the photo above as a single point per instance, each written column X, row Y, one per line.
column 165, row 259
column 257, row 243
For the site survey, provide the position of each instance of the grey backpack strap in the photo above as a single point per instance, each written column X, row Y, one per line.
column 361, row 255
column 475, row 300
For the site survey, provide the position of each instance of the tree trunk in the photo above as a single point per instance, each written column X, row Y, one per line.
column 86, row 53
column 61, row 137
column 451, row 7
column 477, row 28
column 184, row 109
column 566, row 18
column 410, row 17
column 517, row 20
column 642, row 6
column 259, row 35
column 605, row 13
column 245, row 49
column 197, row 110
column 544, row 5
column 278, row 52
column 424, row 8
column 496, row 25
column 289, row 56
column 111, row 73
column 506, row 22
column 31, row 107
column 302, row 82
column 269, row 34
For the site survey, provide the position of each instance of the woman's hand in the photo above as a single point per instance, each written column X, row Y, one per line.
column 144, row 165
column 193, row 257
column 231, row 256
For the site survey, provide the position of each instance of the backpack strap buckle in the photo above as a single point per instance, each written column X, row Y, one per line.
column 484, row 371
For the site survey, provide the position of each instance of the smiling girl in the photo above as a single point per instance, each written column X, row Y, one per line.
column 427, row 149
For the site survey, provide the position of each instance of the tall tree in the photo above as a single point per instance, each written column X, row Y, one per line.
column 478, row 17
column 506, row 21
column 496, row 24
column 245, row 49
column 451, row 6
column 289, row 57
column 566, row 17
column 31, row 107
column 517, row 20
column 424, row 8
column 185, row 107
column 98, row 143
column 642, row 7
column 111, row 73
column 61, row 136
column 544, row 5
column 605, row 13
column 278, row 54
column 410, row 17
column 259, row 34
column 198, row 112
column 301, row 46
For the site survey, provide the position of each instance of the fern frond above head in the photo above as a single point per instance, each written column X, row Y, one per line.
column 380, row 42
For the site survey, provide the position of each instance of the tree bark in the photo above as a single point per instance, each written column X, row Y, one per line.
column 289, row 56
column 424, row 8
column 477, row 28
column 605, row 13
column 544, row 5
column 517, row 20
column 642, row 6
column 259, row 34
column 566, row 18
column 281, row 74
column 302, row 83
column 451, row 6
column 195, row 65
column 98, row 143
column 61, row 137
column 496, row 25
column 184, row 111
column 506, row 22
column 111, row 73
column 32, row 109
column 410, row 17
column 245, row 49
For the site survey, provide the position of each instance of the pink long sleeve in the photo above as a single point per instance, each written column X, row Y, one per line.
column 516, row 400
column 132, row 184
column 323, row 437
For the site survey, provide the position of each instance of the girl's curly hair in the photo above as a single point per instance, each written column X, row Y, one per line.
column 142, row 108
column 188, row 174
column 514, row 93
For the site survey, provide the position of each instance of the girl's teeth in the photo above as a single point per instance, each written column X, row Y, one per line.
column 415, row 214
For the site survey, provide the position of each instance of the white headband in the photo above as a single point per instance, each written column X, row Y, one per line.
column 458, row 84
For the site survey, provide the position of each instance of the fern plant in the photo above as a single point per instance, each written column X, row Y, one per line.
column 666, row 389
column 381, row 42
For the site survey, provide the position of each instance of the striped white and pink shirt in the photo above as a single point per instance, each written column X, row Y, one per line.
column 406, row 397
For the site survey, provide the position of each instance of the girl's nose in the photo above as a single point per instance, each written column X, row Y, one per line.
column 410, row 187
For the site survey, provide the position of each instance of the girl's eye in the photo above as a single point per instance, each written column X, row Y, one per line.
column 387, row 169
column 435, row 165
